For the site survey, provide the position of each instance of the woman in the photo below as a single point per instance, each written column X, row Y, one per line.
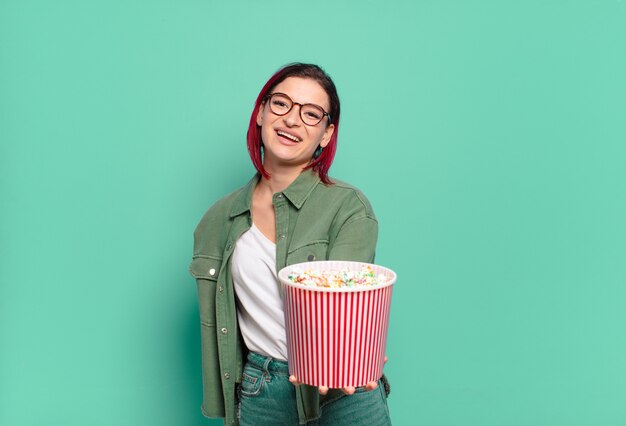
column 290, row 212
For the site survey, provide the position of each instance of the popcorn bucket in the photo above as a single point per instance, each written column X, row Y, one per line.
column 336, row 337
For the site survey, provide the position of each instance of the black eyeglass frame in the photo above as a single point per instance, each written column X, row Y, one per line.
column 324, row 113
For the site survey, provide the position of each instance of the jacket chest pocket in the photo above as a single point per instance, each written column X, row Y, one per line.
column 312, row 251
column 206, row 270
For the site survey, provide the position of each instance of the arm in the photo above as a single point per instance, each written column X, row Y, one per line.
column 356, row 241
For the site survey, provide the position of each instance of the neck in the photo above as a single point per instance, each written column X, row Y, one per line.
column 280, row 178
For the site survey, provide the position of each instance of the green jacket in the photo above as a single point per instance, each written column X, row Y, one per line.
column 313, row 222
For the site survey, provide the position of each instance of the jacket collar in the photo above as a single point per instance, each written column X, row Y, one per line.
column 297, row 193
column 301, row 188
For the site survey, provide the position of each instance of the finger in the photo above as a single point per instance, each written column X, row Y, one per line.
column 348, row 390
column 323, row 390
column 386, row 359
column 371, row 386
column 294, row 380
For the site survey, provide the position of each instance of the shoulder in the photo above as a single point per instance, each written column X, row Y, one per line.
column 350, row 196
column 221, row 209
column 211, row 232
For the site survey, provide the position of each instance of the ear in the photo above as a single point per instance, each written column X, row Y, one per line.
column 259, row 115
column 328, row 133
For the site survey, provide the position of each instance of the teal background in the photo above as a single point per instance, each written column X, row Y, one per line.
column 489, row 137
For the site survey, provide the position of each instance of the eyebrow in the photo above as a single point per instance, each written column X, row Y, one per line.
column 300, row 103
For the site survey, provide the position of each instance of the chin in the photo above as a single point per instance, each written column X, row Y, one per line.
column 290, row 161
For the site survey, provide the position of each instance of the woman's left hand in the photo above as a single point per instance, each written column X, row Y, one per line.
column 348, row 390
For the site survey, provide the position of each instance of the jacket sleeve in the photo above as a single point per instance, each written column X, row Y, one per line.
column 356, row 240
column 205, row 268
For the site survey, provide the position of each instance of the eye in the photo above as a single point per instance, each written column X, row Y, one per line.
column 313, row 115
column 279, row 103
column 313, row 112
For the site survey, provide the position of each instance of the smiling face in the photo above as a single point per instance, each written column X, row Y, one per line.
column 286, row 139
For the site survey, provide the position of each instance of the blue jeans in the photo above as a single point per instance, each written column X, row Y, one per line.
column 268, row 398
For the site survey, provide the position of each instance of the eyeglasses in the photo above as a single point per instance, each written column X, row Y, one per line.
column 311, row 114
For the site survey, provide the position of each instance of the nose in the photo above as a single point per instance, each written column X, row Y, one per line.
column 292, row 118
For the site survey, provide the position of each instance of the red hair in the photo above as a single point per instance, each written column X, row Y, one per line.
column 322, row 163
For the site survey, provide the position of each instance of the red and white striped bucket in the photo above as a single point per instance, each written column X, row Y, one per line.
column 336, row 337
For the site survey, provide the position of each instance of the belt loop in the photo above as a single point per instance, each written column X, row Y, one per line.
column 266, row 368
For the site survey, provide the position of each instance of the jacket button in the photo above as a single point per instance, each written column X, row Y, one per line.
column 221, row 289
column 211, row 272
column 226, row 376
column 311, row 257
column 280, row 196
column 229, row 246
column 282, row 236
column 224, row 330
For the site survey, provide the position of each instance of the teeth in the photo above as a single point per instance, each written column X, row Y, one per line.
column 288, row 136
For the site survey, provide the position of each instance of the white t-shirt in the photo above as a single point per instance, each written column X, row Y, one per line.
column 257, row 289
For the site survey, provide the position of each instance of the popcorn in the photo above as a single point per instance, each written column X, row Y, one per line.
column 337, row 279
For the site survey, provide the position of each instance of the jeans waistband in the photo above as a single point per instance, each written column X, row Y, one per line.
column 267, row 363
